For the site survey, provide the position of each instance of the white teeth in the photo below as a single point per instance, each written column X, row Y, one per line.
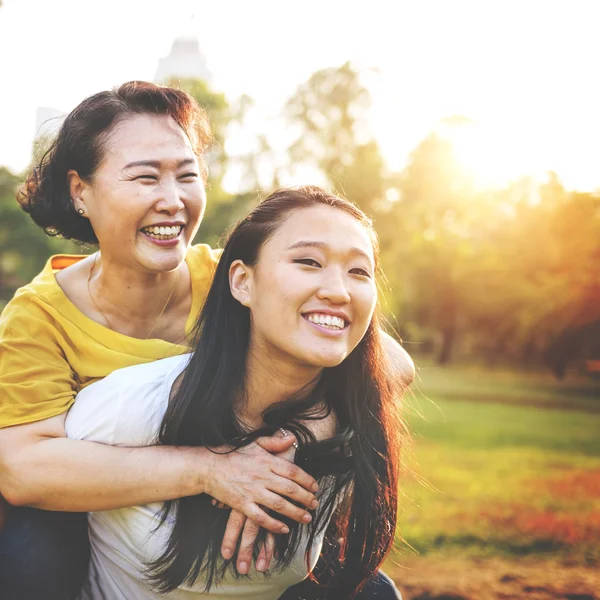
column 169, row 231
column 328, row 321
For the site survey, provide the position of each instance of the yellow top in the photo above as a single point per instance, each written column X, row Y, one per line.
column 49, row 350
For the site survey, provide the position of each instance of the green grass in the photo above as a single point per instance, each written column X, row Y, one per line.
column 514, row 468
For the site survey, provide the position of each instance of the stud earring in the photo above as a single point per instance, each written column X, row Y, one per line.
column 80, row 211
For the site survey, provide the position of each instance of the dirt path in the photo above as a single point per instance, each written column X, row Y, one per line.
column 436, row 578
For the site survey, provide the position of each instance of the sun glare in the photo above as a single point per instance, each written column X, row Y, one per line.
column 491, row 155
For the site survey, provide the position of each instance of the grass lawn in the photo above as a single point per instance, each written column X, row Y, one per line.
column 503, row 464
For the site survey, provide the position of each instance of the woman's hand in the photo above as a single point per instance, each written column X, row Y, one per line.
column 239, row 524
column 252, row 478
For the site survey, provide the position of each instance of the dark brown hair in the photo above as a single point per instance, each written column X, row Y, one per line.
column 361, row 462
column 81, row 144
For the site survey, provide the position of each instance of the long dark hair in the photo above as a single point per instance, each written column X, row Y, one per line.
column 361, row 463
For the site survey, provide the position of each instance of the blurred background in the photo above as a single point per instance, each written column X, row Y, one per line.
column 469, row 132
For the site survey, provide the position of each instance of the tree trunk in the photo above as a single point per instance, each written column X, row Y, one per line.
column 448, row 337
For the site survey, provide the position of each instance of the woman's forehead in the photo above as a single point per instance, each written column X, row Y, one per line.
column 147, row 137
column 325, row 227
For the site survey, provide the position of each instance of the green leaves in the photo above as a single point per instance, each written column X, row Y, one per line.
column 24, row 247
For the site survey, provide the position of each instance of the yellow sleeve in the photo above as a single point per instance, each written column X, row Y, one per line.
column 36, row 381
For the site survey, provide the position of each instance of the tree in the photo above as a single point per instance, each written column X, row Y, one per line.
column 426, row 241
column 24, row 247
column 330, row 111
column 217, row 108
column 507, row 274
column 222, row 208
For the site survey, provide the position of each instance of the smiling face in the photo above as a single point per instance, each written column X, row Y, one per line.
column 312, row 292
column 147, row 196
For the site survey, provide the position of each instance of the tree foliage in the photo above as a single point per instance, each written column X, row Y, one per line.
column 222, row 208
column 24, row 247
column 509, row 274
column 504, row 274
column 330, row 113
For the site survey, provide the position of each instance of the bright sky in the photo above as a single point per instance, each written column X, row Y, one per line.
column 526, row 71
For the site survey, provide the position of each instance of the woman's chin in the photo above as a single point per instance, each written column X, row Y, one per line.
column 163, row 261
column 327, row 361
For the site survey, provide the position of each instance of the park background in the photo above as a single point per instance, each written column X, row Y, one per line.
column 469, row 132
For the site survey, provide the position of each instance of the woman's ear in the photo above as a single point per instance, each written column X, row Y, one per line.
column 77, row 191
column 240, row 282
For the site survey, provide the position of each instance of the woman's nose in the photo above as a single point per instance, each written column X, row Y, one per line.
column 170, row 201
column 334, row 287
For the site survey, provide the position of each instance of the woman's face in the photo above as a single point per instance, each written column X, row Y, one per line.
column 312, row 292
column 147, row 197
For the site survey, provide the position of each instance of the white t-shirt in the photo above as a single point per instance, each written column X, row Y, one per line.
column 126, row 409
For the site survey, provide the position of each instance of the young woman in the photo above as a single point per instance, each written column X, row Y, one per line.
column 288, row 338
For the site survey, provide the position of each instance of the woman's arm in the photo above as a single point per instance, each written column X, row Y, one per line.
column 40, row 467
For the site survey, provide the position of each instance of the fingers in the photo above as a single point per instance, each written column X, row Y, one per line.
column 249, row 535
column 238, row 522
column 291, row 471
column 288, row 454
column 235, row 524
column 289, row 489
column 270, row 549
column 218, row 504
column 259, row 516
column 276, row 443
column 283, row 507
column 265, row 554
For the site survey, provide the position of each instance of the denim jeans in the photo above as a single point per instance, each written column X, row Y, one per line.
column 381, row 587
column 43, row 554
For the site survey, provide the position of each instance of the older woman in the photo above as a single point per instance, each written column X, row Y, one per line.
column 126, row 172
column 287, row 338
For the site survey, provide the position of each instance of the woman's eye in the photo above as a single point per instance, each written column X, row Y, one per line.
column 308, row 262
column 146, row 177
column 361, row 272
column 189, row 176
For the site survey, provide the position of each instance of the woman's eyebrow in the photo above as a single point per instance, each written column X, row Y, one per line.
column 157, row 163
column 324, row 246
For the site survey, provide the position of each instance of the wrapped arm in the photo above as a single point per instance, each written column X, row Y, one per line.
column 40, row 467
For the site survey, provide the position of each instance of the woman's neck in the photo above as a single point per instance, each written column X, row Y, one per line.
column 134, row 299
column 270, row 380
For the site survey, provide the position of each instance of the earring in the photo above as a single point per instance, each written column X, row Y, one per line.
column 80, row 211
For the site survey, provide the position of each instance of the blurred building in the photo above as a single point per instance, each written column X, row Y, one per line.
column 184, row 61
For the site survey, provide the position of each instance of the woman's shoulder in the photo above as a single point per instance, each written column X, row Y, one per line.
column 126, row 407
column 42, row 295
column 202, row 259
column 29, row 305
column 202, row 262
column 146, row 373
